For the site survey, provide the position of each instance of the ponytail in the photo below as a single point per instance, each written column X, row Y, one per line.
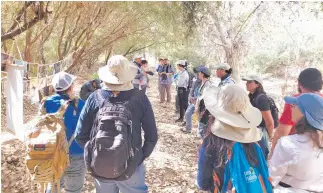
column 229, row 71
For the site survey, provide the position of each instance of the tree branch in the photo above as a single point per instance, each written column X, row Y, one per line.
column 127, row 52
column 245, row 21
column 19, row 15
column 18, row 31
column 138, row 49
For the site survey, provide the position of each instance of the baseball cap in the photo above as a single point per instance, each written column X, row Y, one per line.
column 181, row 63
column 62, row 81
column 311, row 106
column 223, row 66
column 205, row 70
column 253, row 77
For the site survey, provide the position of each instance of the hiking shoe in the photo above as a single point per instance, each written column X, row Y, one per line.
column 179, row 120
column 184, row 124
column 185, row 131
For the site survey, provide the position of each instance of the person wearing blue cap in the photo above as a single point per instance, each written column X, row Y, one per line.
column 296, row 164
column 309, row 81
column 192, row 100
column 204, row 75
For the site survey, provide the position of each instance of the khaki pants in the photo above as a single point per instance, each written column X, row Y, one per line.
column 164, row 89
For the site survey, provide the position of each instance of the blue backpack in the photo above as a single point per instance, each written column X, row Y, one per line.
column 240, row 176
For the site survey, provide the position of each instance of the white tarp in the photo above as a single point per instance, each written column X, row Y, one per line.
column 14, row 99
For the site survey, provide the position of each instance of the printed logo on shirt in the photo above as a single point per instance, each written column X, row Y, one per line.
column 250, row 175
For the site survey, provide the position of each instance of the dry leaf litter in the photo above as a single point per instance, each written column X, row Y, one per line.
column 171, row 167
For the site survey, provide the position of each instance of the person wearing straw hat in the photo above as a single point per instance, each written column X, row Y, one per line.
column 232, row 127
column 296, row 164
column 117, row 76
column 63, row 84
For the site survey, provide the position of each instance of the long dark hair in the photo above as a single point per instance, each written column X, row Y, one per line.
column 219, row 146
column 259, row 89
column 303, row 127
column 229, row 71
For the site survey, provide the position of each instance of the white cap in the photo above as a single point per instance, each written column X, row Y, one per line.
column 181, row 62
column 252, row 78
column 62, row 81
column 223, row 66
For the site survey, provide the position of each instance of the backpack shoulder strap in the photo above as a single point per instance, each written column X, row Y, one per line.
column 258, row 97
column 99, row 98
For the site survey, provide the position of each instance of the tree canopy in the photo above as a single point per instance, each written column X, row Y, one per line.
column 256, row 36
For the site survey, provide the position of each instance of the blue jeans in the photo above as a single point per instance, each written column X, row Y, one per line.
column 188, row 116
column 135, row 184
column 201, row 131
column 264, row 142
column 73, row 179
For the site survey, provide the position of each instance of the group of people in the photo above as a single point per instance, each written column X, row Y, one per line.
column 235, row 153
column 107, row 128
column 109, row 145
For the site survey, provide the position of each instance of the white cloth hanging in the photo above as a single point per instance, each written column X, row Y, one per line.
column 14, row 99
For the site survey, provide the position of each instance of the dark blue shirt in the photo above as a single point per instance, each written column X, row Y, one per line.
column 142, row 117
column 52, row 105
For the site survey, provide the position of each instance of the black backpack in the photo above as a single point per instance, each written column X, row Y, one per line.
column 273, row 108
column 110, row 149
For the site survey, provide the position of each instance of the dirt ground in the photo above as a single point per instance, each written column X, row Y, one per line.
column 171, row 167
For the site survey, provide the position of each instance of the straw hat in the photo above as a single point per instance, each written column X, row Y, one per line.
column 118, row 74
column 236, row 118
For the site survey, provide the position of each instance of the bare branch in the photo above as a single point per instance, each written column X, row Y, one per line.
column 18, row 31
column 245, row 21
column 19, row 15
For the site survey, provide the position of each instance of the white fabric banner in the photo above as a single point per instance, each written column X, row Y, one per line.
column 14, row 99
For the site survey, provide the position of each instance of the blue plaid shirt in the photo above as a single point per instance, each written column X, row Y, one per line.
column 163, row 68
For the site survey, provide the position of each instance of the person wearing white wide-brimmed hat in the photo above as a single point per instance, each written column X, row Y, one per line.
column 233, row 121
column 118, row 89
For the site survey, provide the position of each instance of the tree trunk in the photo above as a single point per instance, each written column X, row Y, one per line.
column 233, row 57
column 27, row 54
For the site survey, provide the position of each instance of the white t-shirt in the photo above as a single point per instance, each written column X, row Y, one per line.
column 297, row 163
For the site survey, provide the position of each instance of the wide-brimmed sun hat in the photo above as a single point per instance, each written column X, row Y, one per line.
column 118, row 74
column 311, row 106
column 236, row 118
